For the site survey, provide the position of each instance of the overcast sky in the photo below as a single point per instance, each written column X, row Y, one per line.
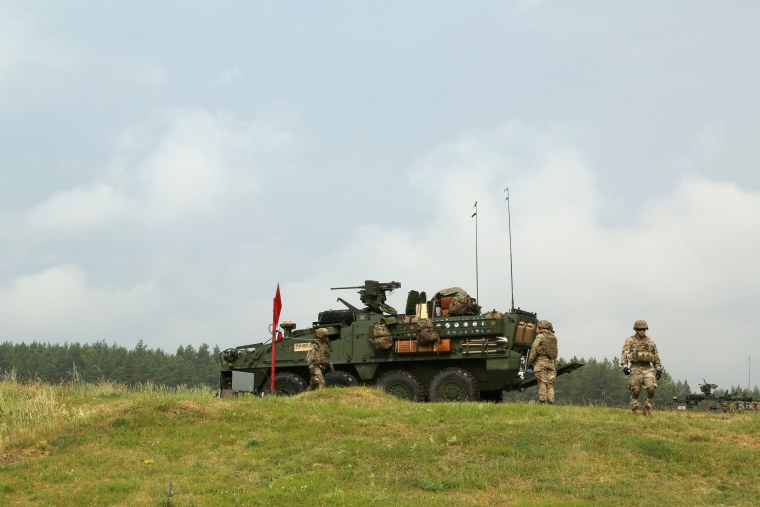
column 165, row 164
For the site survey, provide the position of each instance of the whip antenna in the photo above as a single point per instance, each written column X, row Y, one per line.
column 477, row 291
column 509, row 225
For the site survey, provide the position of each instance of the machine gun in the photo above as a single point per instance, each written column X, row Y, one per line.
column 373, row 295
column 707, row 388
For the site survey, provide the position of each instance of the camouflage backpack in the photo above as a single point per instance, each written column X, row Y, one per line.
column 548, row 346
column 459, row 304
column 426, row 333
column 381, row 339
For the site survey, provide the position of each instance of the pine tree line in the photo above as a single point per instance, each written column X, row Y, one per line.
column 54, row 363
column 599, row 382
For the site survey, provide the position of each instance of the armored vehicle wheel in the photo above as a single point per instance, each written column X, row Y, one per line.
column 286, row 383
column 402, row 384
column 454, row 384
column 340, row 379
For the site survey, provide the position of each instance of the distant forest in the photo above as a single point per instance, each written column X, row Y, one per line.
column 54, row 363
column 597, row 383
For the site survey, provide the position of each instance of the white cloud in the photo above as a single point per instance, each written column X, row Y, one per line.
column 60, row 304
column 80, row 208
column 201, row 163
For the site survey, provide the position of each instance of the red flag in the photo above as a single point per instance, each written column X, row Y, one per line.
column 277, row 306
column 275, row 319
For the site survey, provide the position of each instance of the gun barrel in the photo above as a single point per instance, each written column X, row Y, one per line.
column 382, row 286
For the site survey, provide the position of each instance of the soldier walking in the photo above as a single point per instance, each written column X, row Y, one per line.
column 318, row 358
column 641, row 362
column 542, row 355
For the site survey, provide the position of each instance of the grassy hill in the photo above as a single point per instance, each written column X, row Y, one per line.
column 104, row 444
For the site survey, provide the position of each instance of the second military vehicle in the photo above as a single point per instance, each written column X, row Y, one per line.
column 442, row 349
column 707, row 400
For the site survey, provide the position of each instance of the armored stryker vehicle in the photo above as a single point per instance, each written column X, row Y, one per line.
column 442, row 349
column 707, row 400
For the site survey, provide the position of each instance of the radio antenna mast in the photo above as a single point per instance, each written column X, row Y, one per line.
column 477, row 290
column 509, row 225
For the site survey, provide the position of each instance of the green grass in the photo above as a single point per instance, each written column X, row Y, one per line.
column 104, row 444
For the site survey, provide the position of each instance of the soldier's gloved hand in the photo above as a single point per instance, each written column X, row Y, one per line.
column 657, row 374
column 626, row 370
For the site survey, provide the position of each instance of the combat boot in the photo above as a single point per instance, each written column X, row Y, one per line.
column 647, row 411
column 635, row 411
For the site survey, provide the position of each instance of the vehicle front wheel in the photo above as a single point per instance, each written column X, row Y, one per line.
column 402, row 384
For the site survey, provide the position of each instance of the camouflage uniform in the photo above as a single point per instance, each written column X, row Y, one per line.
column 641, row 353
column 318, row 358
column 542, row 355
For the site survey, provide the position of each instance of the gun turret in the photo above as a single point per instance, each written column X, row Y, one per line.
column 373, row 295
column 707, row 388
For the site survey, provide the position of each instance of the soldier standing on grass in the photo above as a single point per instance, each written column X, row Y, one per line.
column 641, row 362
column 543, row 353
column 318, row 358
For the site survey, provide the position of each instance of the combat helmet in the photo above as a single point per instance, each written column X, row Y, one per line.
column 640, row 324
column 321, row 333
column 545, row 324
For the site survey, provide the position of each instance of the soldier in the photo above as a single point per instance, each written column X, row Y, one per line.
column 637, row 361
column 542, row 355
column 318, row 358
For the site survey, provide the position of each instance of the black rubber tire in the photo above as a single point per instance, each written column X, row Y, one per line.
column 402, row 384
column 454, row 384
column 329, row 316
column 286, row 383
column 340, row 379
